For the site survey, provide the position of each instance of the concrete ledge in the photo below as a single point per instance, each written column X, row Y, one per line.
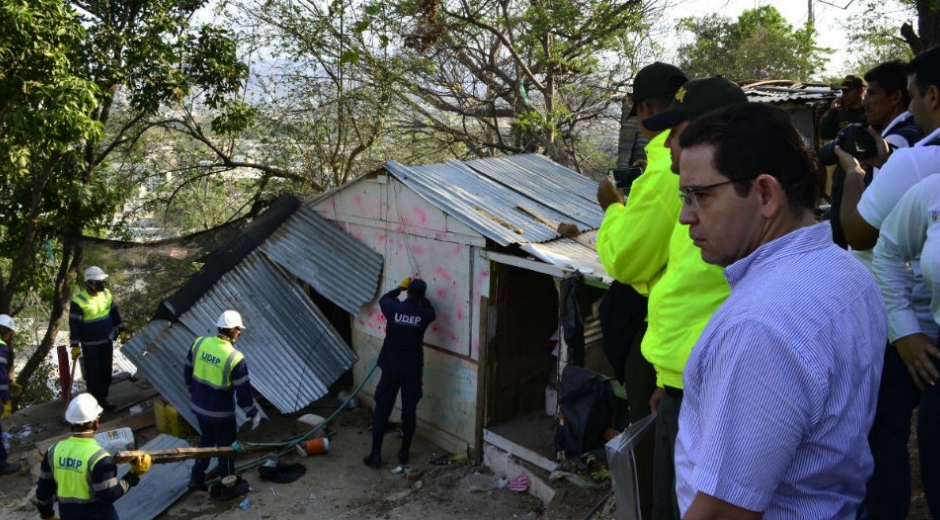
column 501, row 461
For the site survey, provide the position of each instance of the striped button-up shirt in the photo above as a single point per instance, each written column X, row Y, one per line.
column 780, row 389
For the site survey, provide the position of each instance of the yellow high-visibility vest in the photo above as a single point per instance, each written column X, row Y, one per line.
column 213, row 360
column 72, row 461
column 94, row 307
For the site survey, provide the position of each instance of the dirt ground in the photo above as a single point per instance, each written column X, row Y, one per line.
column 336, row 485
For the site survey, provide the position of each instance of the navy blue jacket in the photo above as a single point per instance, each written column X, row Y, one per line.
column 403, row 348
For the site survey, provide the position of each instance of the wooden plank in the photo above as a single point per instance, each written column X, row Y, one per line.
column 482, row 370
column 518, row 451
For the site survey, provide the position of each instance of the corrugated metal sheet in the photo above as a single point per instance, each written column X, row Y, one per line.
column 160, row 487
column 784, row 94
column 292, row 351
column 493, row 207
column 336, row 265
column 571, row 254
column 547, row 182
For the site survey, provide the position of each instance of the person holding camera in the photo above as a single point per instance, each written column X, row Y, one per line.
column 845, row 109
column 885, row 103
column 912, row 330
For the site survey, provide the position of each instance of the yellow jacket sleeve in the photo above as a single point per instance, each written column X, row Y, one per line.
column 633, row 240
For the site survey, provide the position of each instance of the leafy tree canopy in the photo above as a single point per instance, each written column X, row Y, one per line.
column 759, row 44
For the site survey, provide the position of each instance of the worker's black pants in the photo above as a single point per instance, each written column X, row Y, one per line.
column 409, row 382
column 215, row 434
column 889, row 490
column 97, row 370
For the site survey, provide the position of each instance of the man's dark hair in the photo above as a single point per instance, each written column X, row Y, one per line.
column 925, row 67
column 891, row 76
column 755, row 138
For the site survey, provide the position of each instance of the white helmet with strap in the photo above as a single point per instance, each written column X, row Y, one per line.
column 7, row 321
column 230, row 320
column 83, row 409
column 95, row 274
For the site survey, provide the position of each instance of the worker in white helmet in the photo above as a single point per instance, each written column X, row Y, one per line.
column 7, row 329
column 217, row 376
column 79, row 473
column 94, row 322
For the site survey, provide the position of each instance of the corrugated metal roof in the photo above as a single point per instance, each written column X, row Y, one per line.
column 160, row 487
column 499, row 204
column 292, row 351
column 572, row 254
column 772, row 94
column 550, row 183
column 336, row 265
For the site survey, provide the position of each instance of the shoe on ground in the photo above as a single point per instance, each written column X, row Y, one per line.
column 373, row 460
column 402, row 457
column 197, row 486
column 216, row 489
column 237, row 490
column 9, row 468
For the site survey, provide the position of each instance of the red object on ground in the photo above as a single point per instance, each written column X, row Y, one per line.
column 520, row 484
column 65, row 380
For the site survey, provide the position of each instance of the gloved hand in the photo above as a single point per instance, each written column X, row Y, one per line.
column 141, row 464
column 16, row 389
column 7, row 410
column 123, row 336
column 76, row 351
column 255, row 421
column 405, row 282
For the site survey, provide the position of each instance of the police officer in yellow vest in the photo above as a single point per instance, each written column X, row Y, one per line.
column 217, row 376
column 94, row 322
column 80, row 474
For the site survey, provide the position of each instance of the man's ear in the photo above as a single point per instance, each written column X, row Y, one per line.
column 770, row 194
column 932, row 98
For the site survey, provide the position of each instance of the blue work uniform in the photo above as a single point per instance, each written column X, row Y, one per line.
column 217, row 376
column 402, row 361
column 94, row 322
column 82, row 477
column 5, row 396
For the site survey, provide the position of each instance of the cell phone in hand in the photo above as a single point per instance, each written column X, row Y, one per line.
column 624, row 177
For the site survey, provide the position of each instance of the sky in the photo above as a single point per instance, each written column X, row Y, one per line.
column 829, row 16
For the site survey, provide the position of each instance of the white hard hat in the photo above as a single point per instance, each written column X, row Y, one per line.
column 95, row 273
column 83, row 409
column 230, row 320
column 6, row 321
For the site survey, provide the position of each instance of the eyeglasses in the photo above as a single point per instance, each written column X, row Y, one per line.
column 689, row 194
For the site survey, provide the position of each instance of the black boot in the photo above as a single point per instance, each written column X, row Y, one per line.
column 373, row 460
column 403, row 452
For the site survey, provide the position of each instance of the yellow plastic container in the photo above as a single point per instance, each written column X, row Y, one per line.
column 169, row 420
column 159, row 415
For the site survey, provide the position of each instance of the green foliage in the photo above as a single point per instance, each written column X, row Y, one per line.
column 760, row 42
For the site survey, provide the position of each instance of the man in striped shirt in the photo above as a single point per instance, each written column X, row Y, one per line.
column 780, row 389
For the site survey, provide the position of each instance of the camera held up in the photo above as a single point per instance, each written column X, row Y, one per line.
column 853, row 139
